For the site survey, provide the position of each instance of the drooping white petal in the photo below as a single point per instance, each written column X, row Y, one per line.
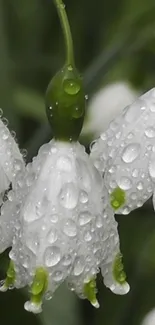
column 65, row 227
column 149, row 319
column 124, row 152
column 10, row 157
column 11, row 166
column 105, row 105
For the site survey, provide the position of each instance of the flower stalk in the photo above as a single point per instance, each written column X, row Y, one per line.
column 66, row 31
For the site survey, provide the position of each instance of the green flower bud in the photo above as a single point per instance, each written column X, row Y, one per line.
column 65, row 104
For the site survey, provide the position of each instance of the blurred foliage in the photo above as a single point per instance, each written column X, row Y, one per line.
column 114, row 40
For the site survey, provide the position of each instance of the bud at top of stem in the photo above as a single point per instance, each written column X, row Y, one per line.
column 65, row 104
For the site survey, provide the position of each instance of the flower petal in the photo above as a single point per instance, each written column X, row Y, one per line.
column 125, row 160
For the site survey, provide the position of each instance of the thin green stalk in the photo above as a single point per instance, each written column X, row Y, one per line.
column 66, row 30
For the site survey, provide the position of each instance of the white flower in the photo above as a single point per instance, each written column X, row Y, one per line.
column 105, row 105
column 9, row 157
column 67, row 230
column 11, row 165
column 149, row 319
column 125, row 155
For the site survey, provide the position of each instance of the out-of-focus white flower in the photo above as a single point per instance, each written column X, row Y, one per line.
column 66, row 228
column 105, row 105
column 11, row 165
column 149, row 319
column 125, row 154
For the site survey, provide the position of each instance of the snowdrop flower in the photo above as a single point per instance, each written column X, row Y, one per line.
column 11, row 164
column 10, row 156
column 149, row 319
column 105, row 105
column 125, row 154
column 65, row 228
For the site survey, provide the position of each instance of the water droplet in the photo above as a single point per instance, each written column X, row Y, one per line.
column 135, row 173
column 68, row 196
column 150, row 132
column 99, row 222
column 131, row 152
column 132, row 112
column 87, row 236
column 67, row 260
column 140, row 186
column 112, row 169
column 113, row 125
column 70, row 228
column 54, row 218
column 24, row 152
column 52, row 256
column 77, row 111
column 103, row 136
column 124, row 183
column 125, row 211
column 57, row 276
column 139, row 204
column 52, row 236
column 33, row 243
column 5, row 121
column 118, row 134
column 152, row 108
column 78, row 266
column 84, row 218
column 130, row 136
column 83, row 197
column 152, row 168
column 13, row 133
column 86, row 97
column 48, row 295
column 71, row 86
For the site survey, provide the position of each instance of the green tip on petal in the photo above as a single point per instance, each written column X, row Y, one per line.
column 117, row 198
column 39, row 285
column 118, row 272
column 11, row 276
column 90, row 292
column 65, row 104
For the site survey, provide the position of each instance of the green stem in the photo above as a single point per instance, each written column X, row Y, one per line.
column 66, row 30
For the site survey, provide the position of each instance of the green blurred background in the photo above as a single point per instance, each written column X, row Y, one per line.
column 114, row 40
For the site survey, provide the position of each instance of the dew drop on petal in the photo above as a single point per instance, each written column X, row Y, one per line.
column 150, row 132
column 48, row 295
column 152, row 168
column 131, row 152
column 52, row 236
column 83, row 197
column 124, row 183
column 54, row 218
column 70, row 228
column 87, row 236
column 68, row 196
column 84, row 218
column 67, row 260
column 78, row 266
column 140, row 186
column 132, row 112
column 52, row 256
column 57, row 276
